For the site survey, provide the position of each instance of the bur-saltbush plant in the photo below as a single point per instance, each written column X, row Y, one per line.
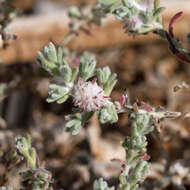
column 79, row 78
column 144, row 16
column 36, row 177
column 139, row 17
column 7, row 13
column 136, row 156
column 90, row 87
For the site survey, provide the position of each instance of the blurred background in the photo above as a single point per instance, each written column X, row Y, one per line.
column 145, row 67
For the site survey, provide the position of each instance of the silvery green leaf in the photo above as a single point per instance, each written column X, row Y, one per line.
column 46, row 51
column 108, row 114
column 158, row 11
column 107, row 2
column 135, row 129
column 74, row 123
column 125, row 3
column 100, row 184
column 60, row 56
column 57, row 93
column 134, row 187
column 67, row 72
column 23, row 145
column 109, row 6
column 74, row 12
column 47, row 65
column 52, row 53
column 121, row 13
column 147, row 129
column 76, row 129
column 74, row 75
column 149, row 14
column 87, row 66
column 108, row 87
column 126, row 143
column 63, row 99
column 51, row 59
column 71, row 123
column 139, row 142
column 103, row 75
column 140, row 170
column 142, row 119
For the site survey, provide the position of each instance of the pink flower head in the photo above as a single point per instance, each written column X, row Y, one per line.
column 89, row 96
column 145, row 157
column 77, row 61
column 122, row 100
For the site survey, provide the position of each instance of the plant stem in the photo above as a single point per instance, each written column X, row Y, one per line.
column 153, row 113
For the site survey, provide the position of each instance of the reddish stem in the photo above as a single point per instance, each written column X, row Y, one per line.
column 182, row 57
column 173, row 20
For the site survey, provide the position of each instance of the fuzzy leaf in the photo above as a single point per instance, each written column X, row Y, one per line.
column 108, row 114
column 107, row 2
column 100, row 184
